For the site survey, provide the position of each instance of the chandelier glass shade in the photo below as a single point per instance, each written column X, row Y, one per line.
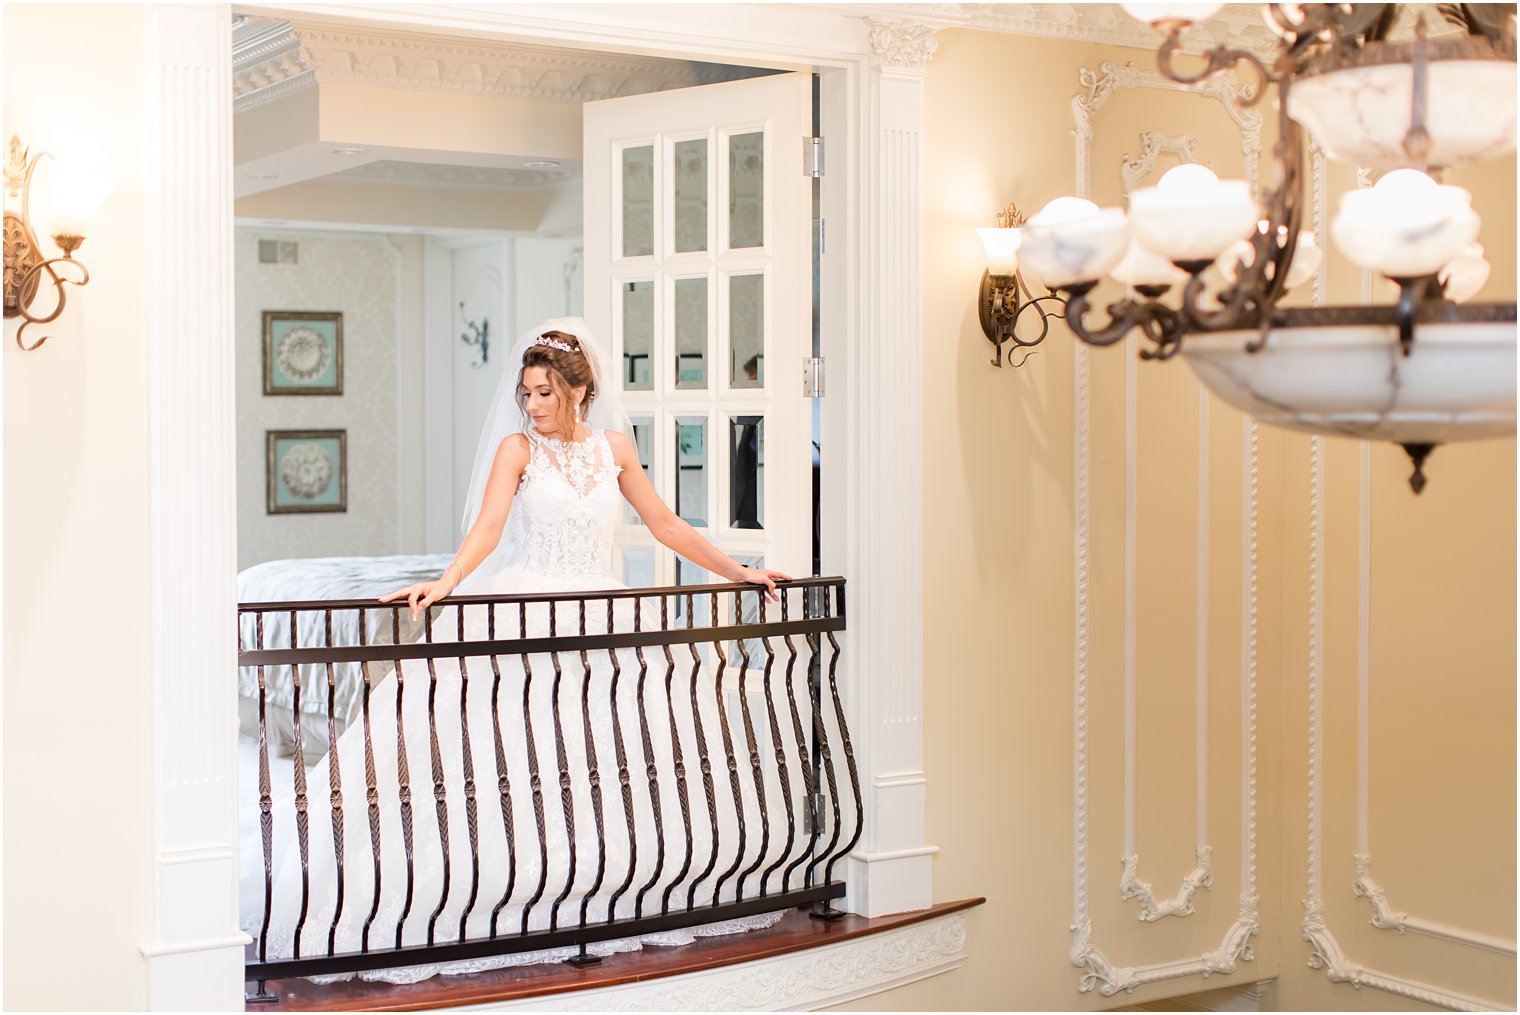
column 1422, row 371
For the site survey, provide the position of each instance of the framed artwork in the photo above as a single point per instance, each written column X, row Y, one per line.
column 303, row 352
column 306, row 471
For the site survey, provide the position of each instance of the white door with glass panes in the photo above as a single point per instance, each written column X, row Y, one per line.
column 698, row 268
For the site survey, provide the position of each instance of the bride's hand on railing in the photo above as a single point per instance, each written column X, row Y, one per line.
column 766, row 577
column 424, row 594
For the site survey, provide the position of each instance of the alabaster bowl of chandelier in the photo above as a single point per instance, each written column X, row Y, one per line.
column 1207, row 267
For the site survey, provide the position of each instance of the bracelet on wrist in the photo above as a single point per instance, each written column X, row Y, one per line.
column 454, row 563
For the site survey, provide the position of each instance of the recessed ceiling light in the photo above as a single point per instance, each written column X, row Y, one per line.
column 541, row 164
column 349, row 151
column 261, row 176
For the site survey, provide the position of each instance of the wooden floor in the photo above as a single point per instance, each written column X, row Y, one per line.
column 795, row 932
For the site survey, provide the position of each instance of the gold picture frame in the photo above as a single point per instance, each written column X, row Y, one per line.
column 305, row 471
column 303, row 352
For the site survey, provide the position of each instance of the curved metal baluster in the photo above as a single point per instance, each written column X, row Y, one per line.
column 729, row 755
column 703, row 758
column 335, row 788
column 371, row 793
column 651, row 772
column 440, row 799
column 623, row 777
column 503, row 782
column 403, row 781
column 302, row 839
column 535, row 781
column 467, row 757
column 595, row 772
column 567, row 803
column 804, row 758
column 680, row 762
column 849, row 757
column 753, row 744
column 822, row 738
column 266, row 797
column 780, row 749
column 824, row 763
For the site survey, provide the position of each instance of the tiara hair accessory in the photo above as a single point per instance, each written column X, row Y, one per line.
column 555, row 343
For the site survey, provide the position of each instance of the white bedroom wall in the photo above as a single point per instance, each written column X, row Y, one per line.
column 365, row 276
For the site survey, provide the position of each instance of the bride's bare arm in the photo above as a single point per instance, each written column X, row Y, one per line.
column 506, row 473
column 673, row 530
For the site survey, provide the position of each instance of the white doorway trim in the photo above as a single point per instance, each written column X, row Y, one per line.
column 873, row 116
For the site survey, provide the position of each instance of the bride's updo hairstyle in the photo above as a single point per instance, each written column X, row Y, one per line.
column 567, row 368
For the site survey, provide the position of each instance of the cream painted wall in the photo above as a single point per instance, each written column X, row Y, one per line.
column 1000, row 607
column 76, row 460
column 361, row 275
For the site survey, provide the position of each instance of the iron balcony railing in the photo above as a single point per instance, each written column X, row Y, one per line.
column 735, row 778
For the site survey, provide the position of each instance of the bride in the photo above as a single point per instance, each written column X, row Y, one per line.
column 551, row 470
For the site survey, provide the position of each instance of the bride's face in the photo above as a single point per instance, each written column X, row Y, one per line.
column 549, row 405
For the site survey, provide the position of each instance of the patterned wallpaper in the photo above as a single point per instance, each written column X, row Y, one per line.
column 356, row 274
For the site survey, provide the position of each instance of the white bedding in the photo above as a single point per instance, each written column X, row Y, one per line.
column 325, row 578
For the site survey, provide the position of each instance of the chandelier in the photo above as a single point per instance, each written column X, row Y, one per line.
column 1420, row 372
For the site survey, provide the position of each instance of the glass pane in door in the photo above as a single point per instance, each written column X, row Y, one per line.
column 643, row 443
column 638, row 201
column 746, row 190
column 746, row 331
column 746, row 472
column 691, row 469
column 689, row 181
column 638, row 335
column 691, row 333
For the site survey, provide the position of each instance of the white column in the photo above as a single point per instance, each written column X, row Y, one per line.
column 194, row 951
column 891, row 864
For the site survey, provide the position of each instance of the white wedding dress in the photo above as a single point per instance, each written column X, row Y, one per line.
column 559, row 538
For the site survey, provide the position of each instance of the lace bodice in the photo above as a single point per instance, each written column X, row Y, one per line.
column 562, row 519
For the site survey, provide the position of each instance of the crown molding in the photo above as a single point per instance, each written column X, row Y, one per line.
column 420, row 174
column 274, row 58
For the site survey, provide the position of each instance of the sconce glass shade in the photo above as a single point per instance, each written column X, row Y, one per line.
column 1466, row 274
column 1186, row 13
column 1360, row 115
column 1072, row 241
column 77, row 193
column 1143, row 266
column 1002, row 247
column 1191, row 214
column 1406, row 225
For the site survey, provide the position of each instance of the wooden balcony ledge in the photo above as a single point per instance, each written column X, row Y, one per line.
column 938, row 945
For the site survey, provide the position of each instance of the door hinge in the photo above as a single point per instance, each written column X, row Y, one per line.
column 812, row 156
column 812, row 377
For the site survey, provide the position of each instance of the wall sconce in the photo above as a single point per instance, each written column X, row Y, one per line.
column 76, row 195
column 476, row 335
column 1004, row 295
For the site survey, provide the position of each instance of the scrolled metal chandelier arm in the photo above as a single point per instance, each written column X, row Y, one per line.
column 1220, row 59
column 35, row 273
column 1157, row 321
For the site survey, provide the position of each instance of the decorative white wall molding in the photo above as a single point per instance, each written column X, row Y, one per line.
column 387, row 172
column 900, row 43
column 1385, row 917
column 295, row 54
column 1181, row 904
column 1099, row 86
column 801, row 981
column 1100, row 973
column 1325, row 951
column 1153, row 144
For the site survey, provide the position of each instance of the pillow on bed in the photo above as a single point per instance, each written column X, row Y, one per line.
column 316, row 579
